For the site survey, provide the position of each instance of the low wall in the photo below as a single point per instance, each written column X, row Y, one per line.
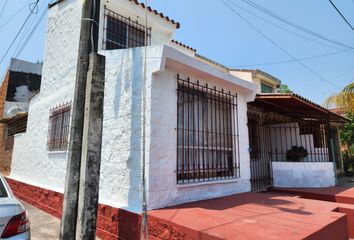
column 303, row 174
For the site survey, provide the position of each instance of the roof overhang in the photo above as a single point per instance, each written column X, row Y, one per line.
column 296, row 104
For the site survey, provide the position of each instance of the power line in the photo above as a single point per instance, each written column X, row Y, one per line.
column 289, row 61
column 275, row 44
column 280, row 27
column 18, row 33
column 306, row 30
column 21, row 44
column 3, row 8
column 13, row 16
column 17, row 53
column 341, row 14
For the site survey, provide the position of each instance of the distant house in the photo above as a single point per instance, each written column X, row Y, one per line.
column 22, row 81
column 197, row 120
column 265, row 82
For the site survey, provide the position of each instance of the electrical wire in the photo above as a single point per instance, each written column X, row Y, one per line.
column 18, row 33
column 294, row 25
column 281, row 27
column 278, row 46
column 341, row 14
column 13, row 16
column 292, row 60
column 31, row 26
column 3, row 8
column 19, row 51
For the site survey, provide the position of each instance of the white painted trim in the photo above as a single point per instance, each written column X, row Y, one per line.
column 210, row 182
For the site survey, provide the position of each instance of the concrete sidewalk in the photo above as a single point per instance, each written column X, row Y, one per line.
column 43, row 225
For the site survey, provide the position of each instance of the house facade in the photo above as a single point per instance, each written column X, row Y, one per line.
column 196, row 116
column 197, row 119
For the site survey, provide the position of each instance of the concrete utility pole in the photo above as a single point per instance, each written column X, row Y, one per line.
column 91, row 150
column 88, row 33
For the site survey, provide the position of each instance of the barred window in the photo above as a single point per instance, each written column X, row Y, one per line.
column 121, row 32
column 59, row 127
column 207, row 133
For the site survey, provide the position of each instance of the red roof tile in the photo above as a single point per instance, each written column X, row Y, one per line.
column 137, row 3
column 183, row 45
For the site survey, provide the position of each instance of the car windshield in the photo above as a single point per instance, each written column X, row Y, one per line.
column 3, row 192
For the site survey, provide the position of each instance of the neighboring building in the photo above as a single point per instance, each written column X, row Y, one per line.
column 265, row 82
column 197, row 144
column 22, row 80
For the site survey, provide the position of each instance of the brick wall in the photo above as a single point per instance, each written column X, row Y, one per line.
column 5, row 153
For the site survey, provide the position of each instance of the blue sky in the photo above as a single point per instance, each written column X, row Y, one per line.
column 218, row 33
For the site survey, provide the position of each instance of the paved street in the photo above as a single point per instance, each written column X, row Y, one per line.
column 43, row 225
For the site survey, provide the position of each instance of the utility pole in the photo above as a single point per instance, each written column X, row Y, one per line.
column 88, row 33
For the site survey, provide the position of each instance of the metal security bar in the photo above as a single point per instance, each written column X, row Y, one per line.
column 59, row 127
column 120, row 32
column 207, row 133
column 283, row 137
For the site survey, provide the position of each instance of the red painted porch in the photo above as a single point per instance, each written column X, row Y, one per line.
column 252, row 216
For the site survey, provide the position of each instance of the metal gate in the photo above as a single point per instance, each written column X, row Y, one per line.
column 260, row 154
column 277, row 136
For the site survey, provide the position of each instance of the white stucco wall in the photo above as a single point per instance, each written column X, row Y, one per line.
column 32, row 162
column 121, row 150
column 303, row 174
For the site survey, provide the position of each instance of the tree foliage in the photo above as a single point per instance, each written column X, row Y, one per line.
column 343, row 100
column 284, row 89
column 347, row 132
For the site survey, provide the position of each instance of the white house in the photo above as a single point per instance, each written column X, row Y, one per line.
column 196, row 124
column 197, row 139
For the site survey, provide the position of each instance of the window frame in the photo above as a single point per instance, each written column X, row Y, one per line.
column 130, row 30
column 268, row 86
column 59, row 124
column 210, row 152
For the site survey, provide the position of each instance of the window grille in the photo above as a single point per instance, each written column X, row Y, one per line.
column 59, row 127
column 207, row 133
column 121, row 32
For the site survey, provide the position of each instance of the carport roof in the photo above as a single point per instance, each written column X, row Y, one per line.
column 295, row 103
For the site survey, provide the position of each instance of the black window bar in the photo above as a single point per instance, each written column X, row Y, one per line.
column 59, row 127
column 122, row 32
column 207, row 133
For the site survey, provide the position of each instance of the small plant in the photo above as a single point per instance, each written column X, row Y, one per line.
column 295, row 154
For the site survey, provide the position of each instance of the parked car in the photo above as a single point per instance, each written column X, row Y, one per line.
column 14, row 223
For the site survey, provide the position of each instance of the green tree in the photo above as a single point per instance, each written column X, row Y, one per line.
column 347, row 132
column 343, row 100
column 284, row 89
